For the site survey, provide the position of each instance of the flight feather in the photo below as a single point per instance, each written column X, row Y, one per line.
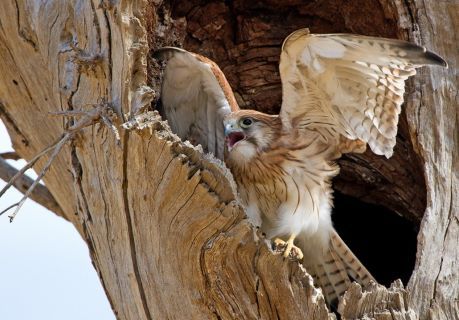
column 348, row 84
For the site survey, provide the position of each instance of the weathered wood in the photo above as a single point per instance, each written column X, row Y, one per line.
column 161, row 219
column 433, row 118
column 377, row 303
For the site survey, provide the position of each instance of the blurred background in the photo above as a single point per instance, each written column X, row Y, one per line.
column 45, row 268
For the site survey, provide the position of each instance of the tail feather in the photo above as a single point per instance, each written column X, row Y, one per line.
column 355, row 269
column 335, row 271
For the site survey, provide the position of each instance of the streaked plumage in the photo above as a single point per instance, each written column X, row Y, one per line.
column 340, row 92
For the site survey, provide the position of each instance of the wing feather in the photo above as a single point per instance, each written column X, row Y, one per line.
column 348, row 84
column 195, row 98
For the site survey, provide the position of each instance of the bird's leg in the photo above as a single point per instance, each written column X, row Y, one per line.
column 290, row 248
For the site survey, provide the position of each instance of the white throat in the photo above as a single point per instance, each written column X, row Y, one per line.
column 243, row 152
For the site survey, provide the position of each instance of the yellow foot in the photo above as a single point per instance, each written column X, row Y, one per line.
column 355, row 146
column 289, row 249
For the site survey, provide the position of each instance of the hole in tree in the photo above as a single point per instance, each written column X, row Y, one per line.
column 246, row 45
column 383, row 241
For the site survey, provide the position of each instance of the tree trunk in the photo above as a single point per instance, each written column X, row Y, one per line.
column 164, row 227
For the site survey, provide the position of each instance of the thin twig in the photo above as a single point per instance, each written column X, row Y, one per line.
column 56, row 151
column 68, row 113
column 101, row 113
column 40, row 195
column 111, row 126
column 12, row 206
column 28, row 166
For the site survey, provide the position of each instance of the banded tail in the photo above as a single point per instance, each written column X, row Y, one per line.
column 338, row 269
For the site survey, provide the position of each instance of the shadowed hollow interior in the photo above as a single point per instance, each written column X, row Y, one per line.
column 383, row 241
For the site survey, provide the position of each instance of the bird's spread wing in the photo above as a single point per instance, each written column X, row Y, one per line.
column 348, row 84
column 195, row 98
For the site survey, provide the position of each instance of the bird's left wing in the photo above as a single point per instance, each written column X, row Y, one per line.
column 349, row 85
column 195, row 98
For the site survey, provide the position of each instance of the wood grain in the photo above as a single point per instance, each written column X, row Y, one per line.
column 162, row 222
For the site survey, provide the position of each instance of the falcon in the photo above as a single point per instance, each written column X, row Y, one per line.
column 340, row 93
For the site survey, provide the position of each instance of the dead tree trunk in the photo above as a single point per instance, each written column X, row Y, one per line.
column 162, row 222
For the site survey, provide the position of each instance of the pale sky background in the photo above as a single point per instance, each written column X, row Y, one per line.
column 45, row 268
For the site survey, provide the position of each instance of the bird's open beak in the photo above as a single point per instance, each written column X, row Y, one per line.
column 233, row 135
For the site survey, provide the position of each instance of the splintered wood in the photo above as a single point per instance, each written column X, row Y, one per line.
column 161, row 220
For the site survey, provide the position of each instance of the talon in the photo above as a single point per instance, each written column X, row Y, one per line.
column 296, row 253
column 278, row 242
column 278, row 245
column 288, row 248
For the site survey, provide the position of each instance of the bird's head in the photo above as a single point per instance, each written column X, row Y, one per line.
column 248, row 132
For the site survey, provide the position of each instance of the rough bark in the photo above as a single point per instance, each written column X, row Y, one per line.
column 161, row 219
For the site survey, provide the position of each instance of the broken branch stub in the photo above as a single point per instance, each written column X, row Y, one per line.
column 377, row 302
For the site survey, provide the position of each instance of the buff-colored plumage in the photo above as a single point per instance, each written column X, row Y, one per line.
column 340, row 92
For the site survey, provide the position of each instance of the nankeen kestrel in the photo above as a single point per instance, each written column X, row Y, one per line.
column 340, row 92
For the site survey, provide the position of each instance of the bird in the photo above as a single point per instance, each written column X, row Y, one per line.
column 341, row 93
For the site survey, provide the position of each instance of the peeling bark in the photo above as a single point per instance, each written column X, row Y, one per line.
column 164, row 228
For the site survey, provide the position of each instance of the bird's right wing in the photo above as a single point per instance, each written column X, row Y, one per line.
column 196, row 97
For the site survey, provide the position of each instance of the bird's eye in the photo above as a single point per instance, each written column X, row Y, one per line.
column 247, row 122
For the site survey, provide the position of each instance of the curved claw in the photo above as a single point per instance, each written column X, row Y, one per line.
column 288, row 248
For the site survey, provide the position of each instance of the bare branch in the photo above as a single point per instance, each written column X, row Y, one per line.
column 114, row 129
column 40, row 195
column 42, row 173
column 101, row 113
column 27, row 167
column 11, row 155
column 8, row 208
column 68, row 113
